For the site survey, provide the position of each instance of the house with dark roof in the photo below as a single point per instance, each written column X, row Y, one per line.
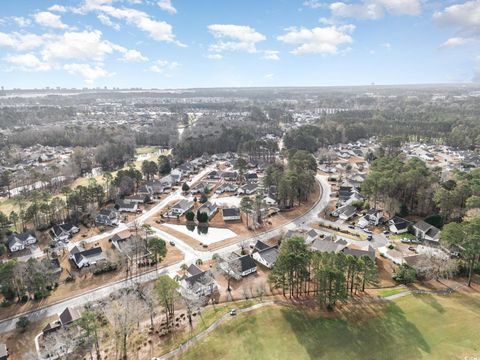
column 17, row 242
column 64, row 232
column 398, row 225
column 197, row 283
column 427, row 232
column 126, row 206
column 84, row 258
column 239, row 266
column 132, row 246
column 251, row 177
column 107, row 216
column 231, row 214
column 345, row 212
column 230, row 175
column 371, row 218
column 68, row 316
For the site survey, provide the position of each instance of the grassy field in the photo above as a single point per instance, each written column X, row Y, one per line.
column 390, row 292
column 413, row 327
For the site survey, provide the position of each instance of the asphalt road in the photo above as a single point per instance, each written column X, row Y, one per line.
column 191, row 255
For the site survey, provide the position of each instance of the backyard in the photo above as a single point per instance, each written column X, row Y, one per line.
column 412, row 327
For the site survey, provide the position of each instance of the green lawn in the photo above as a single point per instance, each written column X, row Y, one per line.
column 413, row 327
column 402, row 236
column 390, row 292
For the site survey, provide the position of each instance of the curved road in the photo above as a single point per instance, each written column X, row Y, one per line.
column 191, row 256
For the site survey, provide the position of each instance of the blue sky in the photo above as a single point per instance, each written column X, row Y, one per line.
column 210, row 43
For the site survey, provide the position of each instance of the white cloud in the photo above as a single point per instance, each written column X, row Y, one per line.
column 271, row 55
column 133, row 56
column 238, row 38
column 48, row 19
column 158, row 30
column 314, row 4
column 57, row 8
column 163, row 67
column 167, row 6
column 464, row 16
column 22, row 41
column 455, row 41
column 27, row 62
column 21, row 21
column 85, row 45
column 269, row 76
column 319, row 40
column 376, row 9
column 105, row 20
column 215, row 56
column 386, row 45
column 88, row 72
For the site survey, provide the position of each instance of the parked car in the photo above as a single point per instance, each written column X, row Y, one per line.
column 233, row 312
column 366, row 231
column 386, row 232
column 351, row 226
column 369, row 237
column 172, row 242
column 411, row 248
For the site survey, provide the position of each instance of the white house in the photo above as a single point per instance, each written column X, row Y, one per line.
column 17, row 242
column 267, row 257
column 84, row 258
column 398, row 225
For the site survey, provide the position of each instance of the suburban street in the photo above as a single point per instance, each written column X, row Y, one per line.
column 190, row 255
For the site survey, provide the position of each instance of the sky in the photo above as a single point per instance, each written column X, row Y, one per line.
column 227, row 43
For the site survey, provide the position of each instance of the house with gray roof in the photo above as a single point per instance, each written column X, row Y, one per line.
column 17, row 242
column 427, row 232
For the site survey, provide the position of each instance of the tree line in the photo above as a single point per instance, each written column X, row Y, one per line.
column 328, row 277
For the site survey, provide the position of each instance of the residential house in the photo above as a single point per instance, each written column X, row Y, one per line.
column 126, row 206
column 371, row 218
column 84, row 258
column 107, row 216
column 366, row 251
column 247, row 189
column 198, row 283
column 156, row 187
column 427, row 232
column 345, row 212
column 242, row 265
column 328, row 245
column 68, row 316
column 267, row 256
column 138, row 198
column 130, row 245
column 181, row 208
column 201, row 188
column 398, row 225
column 208, row 208
column 214, row 175
column 251, row 177
column 227, row 187
column 64, row 232
column 231, row 214
column 17, row 242
column 230, row 175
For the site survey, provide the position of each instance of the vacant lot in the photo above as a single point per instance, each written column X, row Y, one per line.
column 413, row 327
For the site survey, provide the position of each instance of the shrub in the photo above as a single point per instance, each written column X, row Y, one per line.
column 6, row 303
column 24, row 298
column 189, row 215
column 105, row 268
column 405, row 274
column 22, row 323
